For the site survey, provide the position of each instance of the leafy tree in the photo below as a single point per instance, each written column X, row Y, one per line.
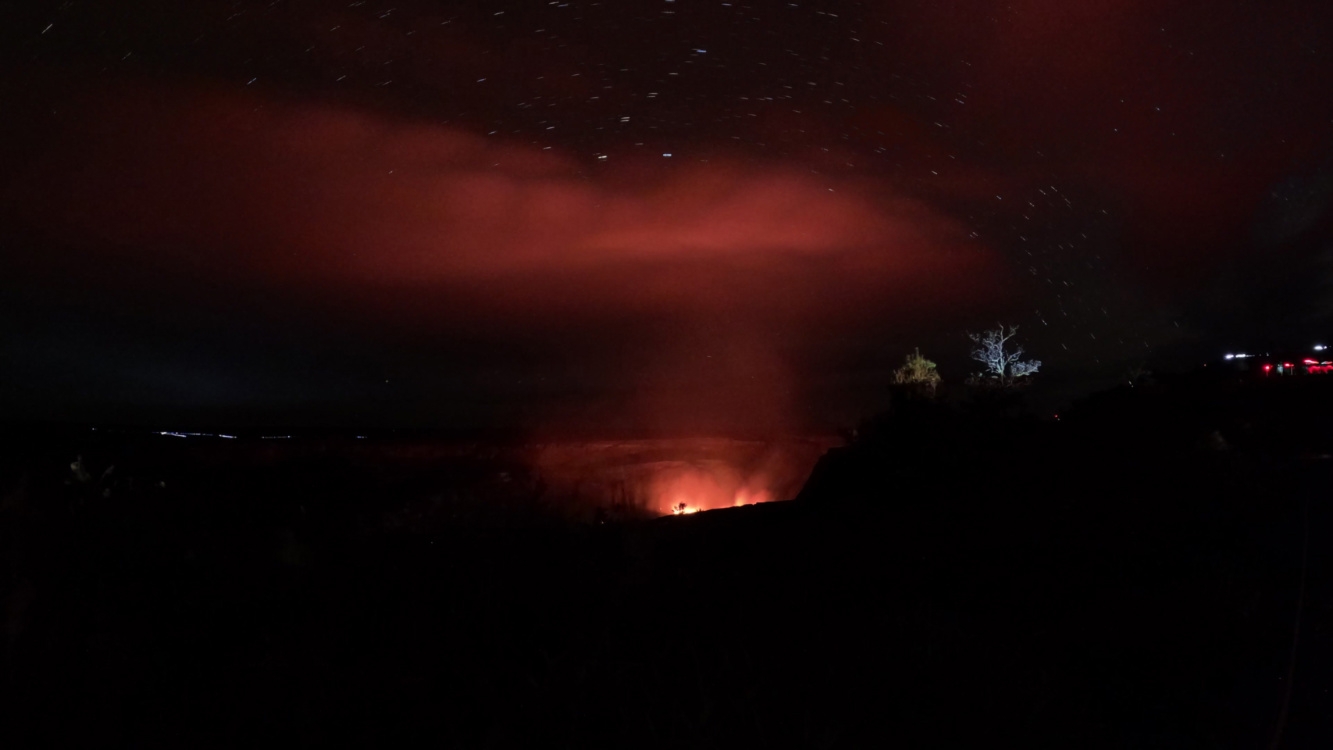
column 1003, row 366
column 919, row 373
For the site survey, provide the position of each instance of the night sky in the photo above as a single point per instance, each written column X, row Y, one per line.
column 674, row 215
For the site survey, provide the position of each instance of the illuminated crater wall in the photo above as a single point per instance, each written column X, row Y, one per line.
column 662, row 477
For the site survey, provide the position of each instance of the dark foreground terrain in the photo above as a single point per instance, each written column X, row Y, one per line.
column 1152, row 571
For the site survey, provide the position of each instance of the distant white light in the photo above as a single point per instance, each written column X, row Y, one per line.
column 1231, row 356
column 667, row 155
column 1319, row 347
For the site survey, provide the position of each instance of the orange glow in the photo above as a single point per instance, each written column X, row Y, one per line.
column 675, row 476
column 686, row 490
column 706, row 487
column 745, row 496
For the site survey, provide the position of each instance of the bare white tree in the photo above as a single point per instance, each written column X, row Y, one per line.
column 1001, row 363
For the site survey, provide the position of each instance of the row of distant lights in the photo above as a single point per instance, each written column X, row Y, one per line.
column 1317, row 347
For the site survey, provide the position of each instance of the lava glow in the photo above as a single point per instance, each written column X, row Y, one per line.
column 746, row 496
column 707, row 488
column 675, row 476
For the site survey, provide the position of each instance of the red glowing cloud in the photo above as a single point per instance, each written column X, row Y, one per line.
column 495, row 190
column 679, row 288
column 330, row 197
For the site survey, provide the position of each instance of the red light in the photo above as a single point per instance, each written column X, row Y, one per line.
column 1309, row 362
column 1267, row 368
column 1286, row 364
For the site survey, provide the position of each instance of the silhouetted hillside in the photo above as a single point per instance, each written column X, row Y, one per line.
column 1130, row 575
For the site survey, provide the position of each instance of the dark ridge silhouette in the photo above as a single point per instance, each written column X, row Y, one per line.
column 960, row 573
